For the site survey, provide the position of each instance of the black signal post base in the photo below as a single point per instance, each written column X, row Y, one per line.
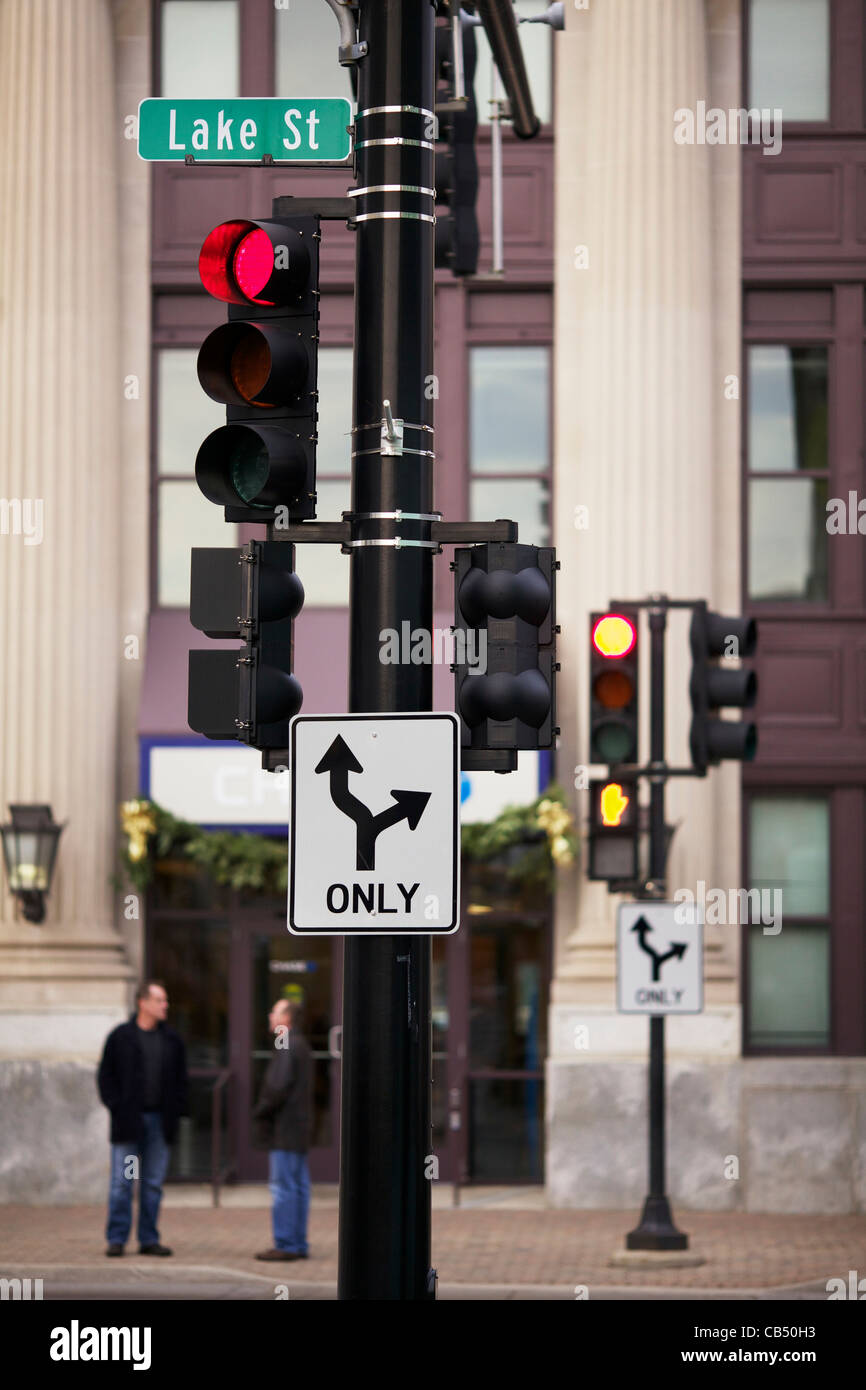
column 656, row 1230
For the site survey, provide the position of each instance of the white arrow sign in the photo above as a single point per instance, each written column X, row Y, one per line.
column 374, row 828
column 659, row 958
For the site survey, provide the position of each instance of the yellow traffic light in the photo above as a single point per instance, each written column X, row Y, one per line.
column 614, row 635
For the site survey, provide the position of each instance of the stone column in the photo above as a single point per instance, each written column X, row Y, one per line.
column 640, row 505
column 63, row 983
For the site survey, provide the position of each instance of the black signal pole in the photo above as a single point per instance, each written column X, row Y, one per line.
column 657, row 1230
column 385, row 1199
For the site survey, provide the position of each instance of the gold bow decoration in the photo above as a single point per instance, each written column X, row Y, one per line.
column 558, row 823
column 139, row 823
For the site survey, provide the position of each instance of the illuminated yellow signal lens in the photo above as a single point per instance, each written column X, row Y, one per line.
column 614, row 635
column 613, row 804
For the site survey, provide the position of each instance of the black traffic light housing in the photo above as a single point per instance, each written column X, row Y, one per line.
column 457, row 236
column 613, row 687
column 247, row 693
column 505, row 611
column 714, row 687
column 262, row 364
column 614, row 830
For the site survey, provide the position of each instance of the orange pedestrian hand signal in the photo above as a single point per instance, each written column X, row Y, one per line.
column 613, row 804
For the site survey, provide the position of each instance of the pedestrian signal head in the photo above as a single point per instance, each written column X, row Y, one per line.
column 613, row 803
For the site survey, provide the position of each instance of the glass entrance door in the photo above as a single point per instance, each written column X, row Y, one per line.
column 507, row 1047
column 281, row 966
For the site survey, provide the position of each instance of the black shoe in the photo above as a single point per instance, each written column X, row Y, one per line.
column 154, row 1250
column 114, row 1250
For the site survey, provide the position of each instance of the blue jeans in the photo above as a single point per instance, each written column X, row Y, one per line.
column 153, row 1155
column 289, row 1181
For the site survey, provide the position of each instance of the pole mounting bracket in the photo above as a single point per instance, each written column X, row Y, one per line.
column 391, row 433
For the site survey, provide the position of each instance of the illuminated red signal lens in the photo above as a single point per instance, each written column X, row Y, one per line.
column 236, row 262
column 614, row 635
column 253, row 264
column 215, row 260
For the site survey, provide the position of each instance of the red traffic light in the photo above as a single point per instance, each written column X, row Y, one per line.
column 614, row 635
column 253, row 263
column 265, row 263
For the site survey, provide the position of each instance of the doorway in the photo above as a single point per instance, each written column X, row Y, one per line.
column 225, row 959
column 269, row 964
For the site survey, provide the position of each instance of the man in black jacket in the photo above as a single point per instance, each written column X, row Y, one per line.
column 143, row 1081
column 283, row 1120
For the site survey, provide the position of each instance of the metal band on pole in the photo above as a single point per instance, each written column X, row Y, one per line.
column 399, row 216
column 395, row 140
column 400, row 110
column 397, row 542
column 391, row 188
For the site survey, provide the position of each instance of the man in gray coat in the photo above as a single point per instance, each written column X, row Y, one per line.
column 283, row 1122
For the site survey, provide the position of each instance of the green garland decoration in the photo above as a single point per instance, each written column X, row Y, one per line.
column 251, row 863
column 532, row 840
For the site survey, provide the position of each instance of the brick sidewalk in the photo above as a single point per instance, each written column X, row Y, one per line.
column 471, row 1245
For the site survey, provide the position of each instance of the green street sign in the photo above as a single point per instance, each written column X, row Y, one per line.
column 247, row 129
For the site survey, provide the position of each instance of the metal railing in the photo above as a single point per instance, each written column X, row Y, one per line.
column 218, row 1174
column 221, row 1077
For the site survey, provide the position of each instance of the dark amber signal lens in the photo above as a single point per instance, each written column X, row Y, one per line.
column 614, row 689
column 250, row 367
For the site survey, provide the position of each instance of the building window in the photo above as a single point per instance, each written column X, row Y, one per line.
column 185, row 518
column 536, row 40
column 789, row 969
column 788, row 472
column 306, row 41
column 509, row 447
column 324, row 571
column 789, row 58
column 200, row 48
